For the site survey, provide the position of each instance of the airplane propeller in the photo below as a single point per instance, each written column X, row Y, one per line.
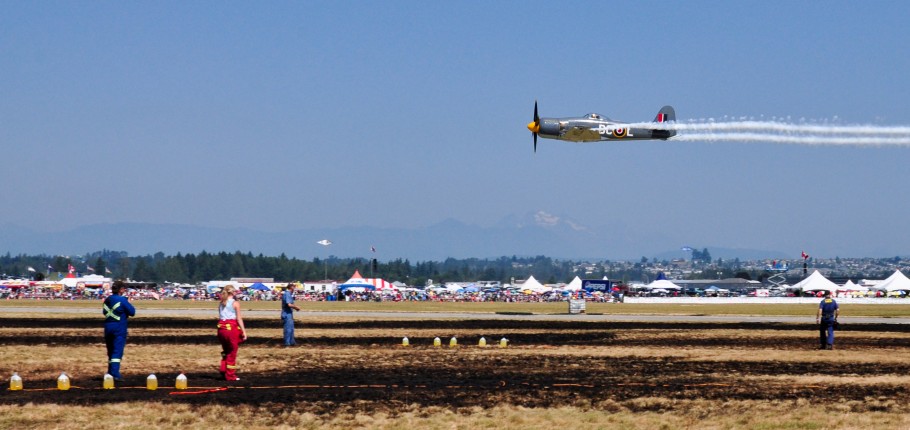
column 534, row 126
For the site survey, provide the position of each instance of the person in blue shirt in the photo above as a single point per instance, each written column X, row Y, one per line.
column 287, row 314
column 116, row 310
column 826, row 318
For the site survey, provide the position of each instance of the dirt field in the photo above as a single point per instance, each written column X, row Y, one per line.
column 359, row 367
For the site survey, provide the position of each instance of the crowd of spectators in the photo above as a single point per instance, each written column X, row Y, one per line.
column 350, row 295
column 199, row 293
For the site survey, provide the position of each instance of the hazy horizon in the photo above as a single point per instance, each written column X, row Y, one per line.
column 318, row 116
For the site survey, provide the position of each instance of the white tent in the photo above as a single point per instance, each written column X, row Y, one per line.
column 575, row 285
column 663, row 284
column 533, row 285
column 851, row 289
column 897, row 281
column 851, row 286
column 816, row 282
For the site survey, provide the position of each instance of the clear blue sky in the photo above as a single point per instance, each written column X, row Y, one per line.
column 279, row 116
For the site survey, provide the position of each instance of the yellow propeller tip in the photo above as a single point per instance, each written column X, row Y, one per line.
column 534, row 126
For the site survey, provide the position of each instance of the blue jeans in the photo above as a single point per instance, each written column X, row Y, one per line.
column 288, row 321
column 826, row 333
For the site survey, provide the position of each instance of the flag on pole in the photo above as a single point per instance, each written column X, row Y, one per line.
column 805, row 256
column 108, row 271
column 49, row 267
column 89, row 268
column 31, row 269
column 372, row 248
column 325, row 242
column 70, row 268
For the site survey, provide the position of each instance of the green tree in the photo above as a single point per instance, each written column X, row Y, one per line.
column 172, row 269
column 237, row 268
column 143, row 272
column 124, row 268
column 100, row 266
column 61, row 263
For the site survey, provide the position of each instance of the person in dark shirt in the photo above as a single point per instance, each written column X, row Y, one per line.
column 116, row 310
column 826, row 318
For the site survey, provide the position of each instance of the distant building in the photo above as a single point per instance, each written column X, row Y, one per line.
column 324, row 286
column 732, row 284
column 89, row 281
column 252, row 280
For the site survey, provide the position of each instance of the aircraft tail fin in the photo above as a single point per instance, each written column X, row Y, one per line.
column 666, row 114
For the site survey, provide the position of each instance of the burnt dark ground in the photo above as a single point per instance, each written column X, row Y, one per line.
column 550, row 333
column 535, row 377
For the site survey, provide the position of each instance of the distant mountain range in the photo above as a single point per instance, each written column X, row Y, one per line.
column 532, row 234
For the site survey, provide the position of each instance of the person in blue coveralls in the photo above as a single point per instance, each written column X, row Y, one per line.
column 826, row 318
column 116, row 310
column 287, row 314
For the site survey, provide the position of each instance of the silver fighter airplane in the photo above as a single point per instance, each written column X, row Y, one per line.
column 596, row 128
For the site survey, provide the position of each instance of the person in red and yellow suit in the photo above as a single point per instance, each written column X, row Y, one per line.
column 230, row 332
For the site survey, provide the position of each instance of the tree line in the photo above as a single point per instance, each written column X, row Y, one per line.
column 206, row 266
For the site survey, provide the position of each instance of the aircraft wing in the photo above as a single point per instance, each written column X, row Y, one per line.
column 581, row 134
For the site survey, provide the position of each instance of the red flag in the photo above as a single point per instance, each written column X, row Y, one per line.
column 805, row 256
column 70, row 268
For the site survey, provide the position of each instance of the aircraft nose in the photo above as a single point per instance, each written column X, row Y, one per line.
column 549, row 127
column 534, row 126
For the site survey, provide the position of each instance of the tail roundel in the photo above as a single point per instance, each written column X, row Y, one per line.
column 666, row 114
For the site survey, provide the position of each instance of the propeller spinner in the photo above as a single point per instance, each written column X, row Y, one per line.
column 534, row 126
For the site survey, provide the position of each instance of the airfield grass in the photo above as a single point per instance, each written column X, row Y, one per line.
column 85, row 362
column 707, row 415
column 753, row 309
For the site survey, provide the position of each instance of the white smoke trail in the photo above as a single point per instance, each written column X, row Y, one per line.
column 782, row 132
column 799, row 140
column 780, row 127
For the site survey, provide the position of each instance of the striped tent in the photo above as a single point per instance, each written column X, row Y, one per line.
column 358, row 281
